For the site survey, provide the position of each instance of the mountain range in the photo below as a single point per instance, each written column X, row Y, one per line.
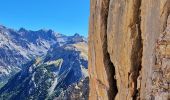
column 42, row 65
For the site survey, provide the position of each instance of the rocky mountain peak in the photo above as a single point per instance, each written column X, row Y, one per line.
column 76, row 35
column 51, row 75
column 19, row 47
column 1, row 27
column 22, row 30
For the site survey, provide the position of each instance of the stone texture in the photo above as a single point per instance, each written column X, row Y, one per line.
column 129, row 50
column 99, row 63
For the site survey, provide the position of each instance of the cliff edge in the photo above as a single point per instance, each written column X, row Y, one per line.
column 129, row 50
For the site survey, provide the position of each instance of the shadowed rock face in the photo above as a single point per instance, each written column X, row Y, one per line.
column 129, row 50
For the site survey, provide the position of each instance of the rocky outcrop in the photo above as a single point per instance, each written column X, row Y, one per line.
column 77, row 91
column 129, row 50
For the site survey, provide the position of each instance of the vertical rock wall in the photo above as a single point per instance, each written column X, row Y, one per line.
column 129, row 50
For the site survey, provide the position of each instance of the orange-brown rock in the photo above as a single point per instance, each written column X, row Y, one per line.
column 129, row 50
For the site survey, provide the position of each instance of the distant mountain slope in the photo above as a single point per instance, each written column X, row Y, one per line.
column 76, row 91
column 20, row 46
column 49, row 76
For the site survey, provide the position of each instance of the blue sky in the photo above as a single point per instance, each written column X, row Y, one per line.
column 64, row 16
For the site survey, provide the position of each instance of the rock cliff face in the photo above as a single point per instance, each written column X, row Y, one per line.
column 129, row 50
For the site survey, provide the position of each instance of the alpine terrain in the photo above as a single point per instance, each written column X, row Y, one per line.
column 42, row 65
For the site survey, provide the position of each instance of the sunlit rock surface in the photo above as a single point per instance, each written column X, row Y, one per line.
column 129, row 50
